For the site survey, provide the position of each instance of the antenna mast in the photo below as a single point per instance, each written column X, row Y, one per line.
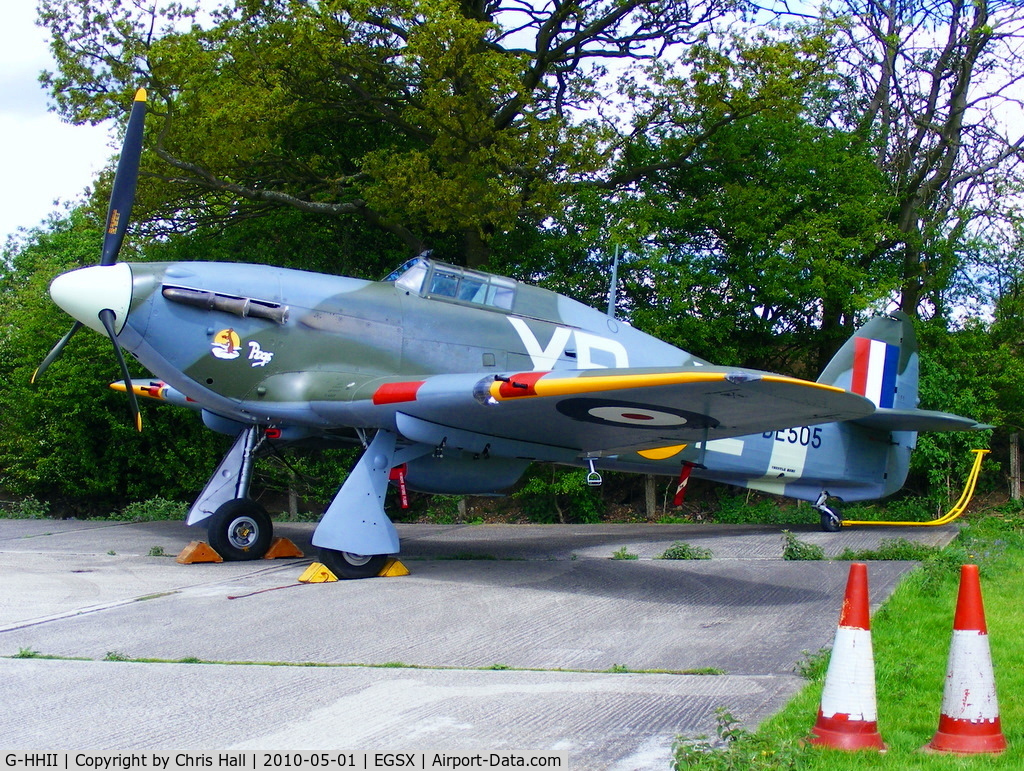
column 614, row 288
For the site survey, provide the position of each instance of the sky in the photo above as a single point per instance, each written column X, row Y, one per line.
column 44, row 159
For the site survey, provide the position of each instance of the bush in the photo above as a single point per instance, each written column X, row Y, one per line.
column 907, row 509
column 751, row 508
column 684, row 551
column 154, row 510
column 552, row 494
column 26, row 508
column 795, row 549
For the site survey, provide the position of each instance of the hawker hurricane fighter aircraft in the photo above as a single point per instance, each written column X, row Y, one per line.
column 460, row 380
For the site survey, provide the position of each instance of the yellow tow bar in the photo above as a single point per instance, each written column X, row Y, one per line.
column 958, row 508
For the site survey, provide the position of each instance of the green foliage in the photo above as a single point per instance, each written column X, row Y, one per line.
column 965, row 372
column 737, row 749
column 68, row 436
column 443, row 509
column 309, row 477
column 624, row 554
column 900, row 509
column 778, row 214
column 153, row 510
column 813, row 666
column 892, row 549
column 157, row 551
column 751, row 508
column 554, row 494
column 795, row 549
column 26, row 508
column 684, row 551
column 287, row 238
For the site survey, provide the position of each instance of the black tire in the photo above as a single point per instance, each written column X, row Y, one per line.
column 240, row 530
column 347, row 565
column 831, row 522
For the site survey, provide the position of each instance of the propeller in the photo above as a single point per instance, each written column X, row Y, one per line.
column 107, row 319
column 122, row 197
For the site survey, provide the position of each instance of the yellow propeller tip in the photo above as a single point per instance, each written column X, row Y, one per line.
column 32, row 380
column 140, row 95
column 138, row 423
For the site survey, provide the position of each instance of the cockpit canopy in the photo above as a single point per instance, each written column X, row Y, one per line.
column 428, row 278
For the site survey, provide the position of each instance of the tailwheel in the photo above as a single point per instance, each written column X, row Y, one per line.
column 831, row 522
column 345, row 564
column 831, row 519
column 240, row 529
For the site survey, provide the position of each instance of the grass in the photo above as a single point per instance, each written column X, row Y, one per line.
column 910, row 636
column 680, row 550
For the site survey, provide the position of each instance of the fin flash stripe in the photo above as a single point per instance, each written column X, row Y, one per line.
column 875, row 366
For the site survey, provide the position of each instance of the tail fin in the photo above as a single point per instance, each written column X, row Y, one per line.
column 880, row 362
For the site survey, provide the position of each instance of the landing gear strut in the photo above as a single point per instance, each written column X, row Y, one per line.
column 354, row 537
column 238, row 528
column 831, row 519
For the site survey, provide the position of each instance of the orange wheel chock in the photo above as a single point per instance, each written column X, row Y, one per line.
column 198, row 551
column 282, row 548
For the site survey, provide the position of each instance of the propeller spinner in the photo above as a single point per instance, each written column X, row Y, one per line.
column 99, row 297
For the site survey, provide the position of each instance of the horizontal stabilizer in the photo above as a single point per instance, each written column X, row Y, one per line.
column 919, row 420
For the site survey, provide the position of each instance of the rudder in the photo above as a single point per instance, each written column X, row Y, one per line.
column 879, row 362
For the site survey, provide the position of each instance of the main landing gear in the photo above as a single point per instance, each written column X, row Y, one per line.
column 354, row 537
column 240, row 529
column 348, row 565
column 831, row 519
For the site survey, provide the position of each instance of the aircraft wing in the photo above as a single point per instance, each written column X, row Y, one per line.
column 610, row 411
column 920, row 420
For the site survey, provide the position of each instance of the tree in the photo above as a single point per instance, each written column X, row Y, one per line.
column 424, row 118
column 931, row 88
column 747, row 223
column 68, row 437
column 760, row 248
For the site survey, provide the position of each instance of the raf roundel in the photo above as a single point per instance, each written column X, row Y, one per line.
column 619, row 413
column 637, row 416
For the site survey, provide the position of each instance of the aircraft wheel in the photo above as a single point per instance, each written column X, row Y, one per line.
column 348, row 565
column 831, row 522
column 240, row 529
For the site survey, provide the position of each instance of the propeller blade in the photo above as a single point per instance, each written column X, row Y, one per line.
column 123, row 194
column 55, row 352
column 107, row 318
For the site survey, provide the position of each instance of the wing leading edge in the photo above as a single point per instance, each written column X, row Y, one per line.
column 604, row 412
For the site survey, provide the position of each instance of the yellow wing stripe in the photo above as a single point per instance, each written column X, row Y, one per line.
column 544, row 386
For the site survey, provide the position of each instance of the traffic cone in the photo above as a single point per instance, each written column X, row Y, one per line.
column 969, row 722
column 848, row 715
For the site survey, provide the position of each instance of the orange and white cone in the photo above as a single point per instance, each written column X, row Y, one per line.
column 969, row 722
column 848, row 716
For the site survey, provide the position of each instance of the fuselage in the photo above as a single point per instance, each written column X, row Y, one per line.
column 255, row 344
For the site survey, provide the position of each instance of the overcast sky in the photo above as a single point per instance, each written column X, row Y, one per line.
column 44, row 160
